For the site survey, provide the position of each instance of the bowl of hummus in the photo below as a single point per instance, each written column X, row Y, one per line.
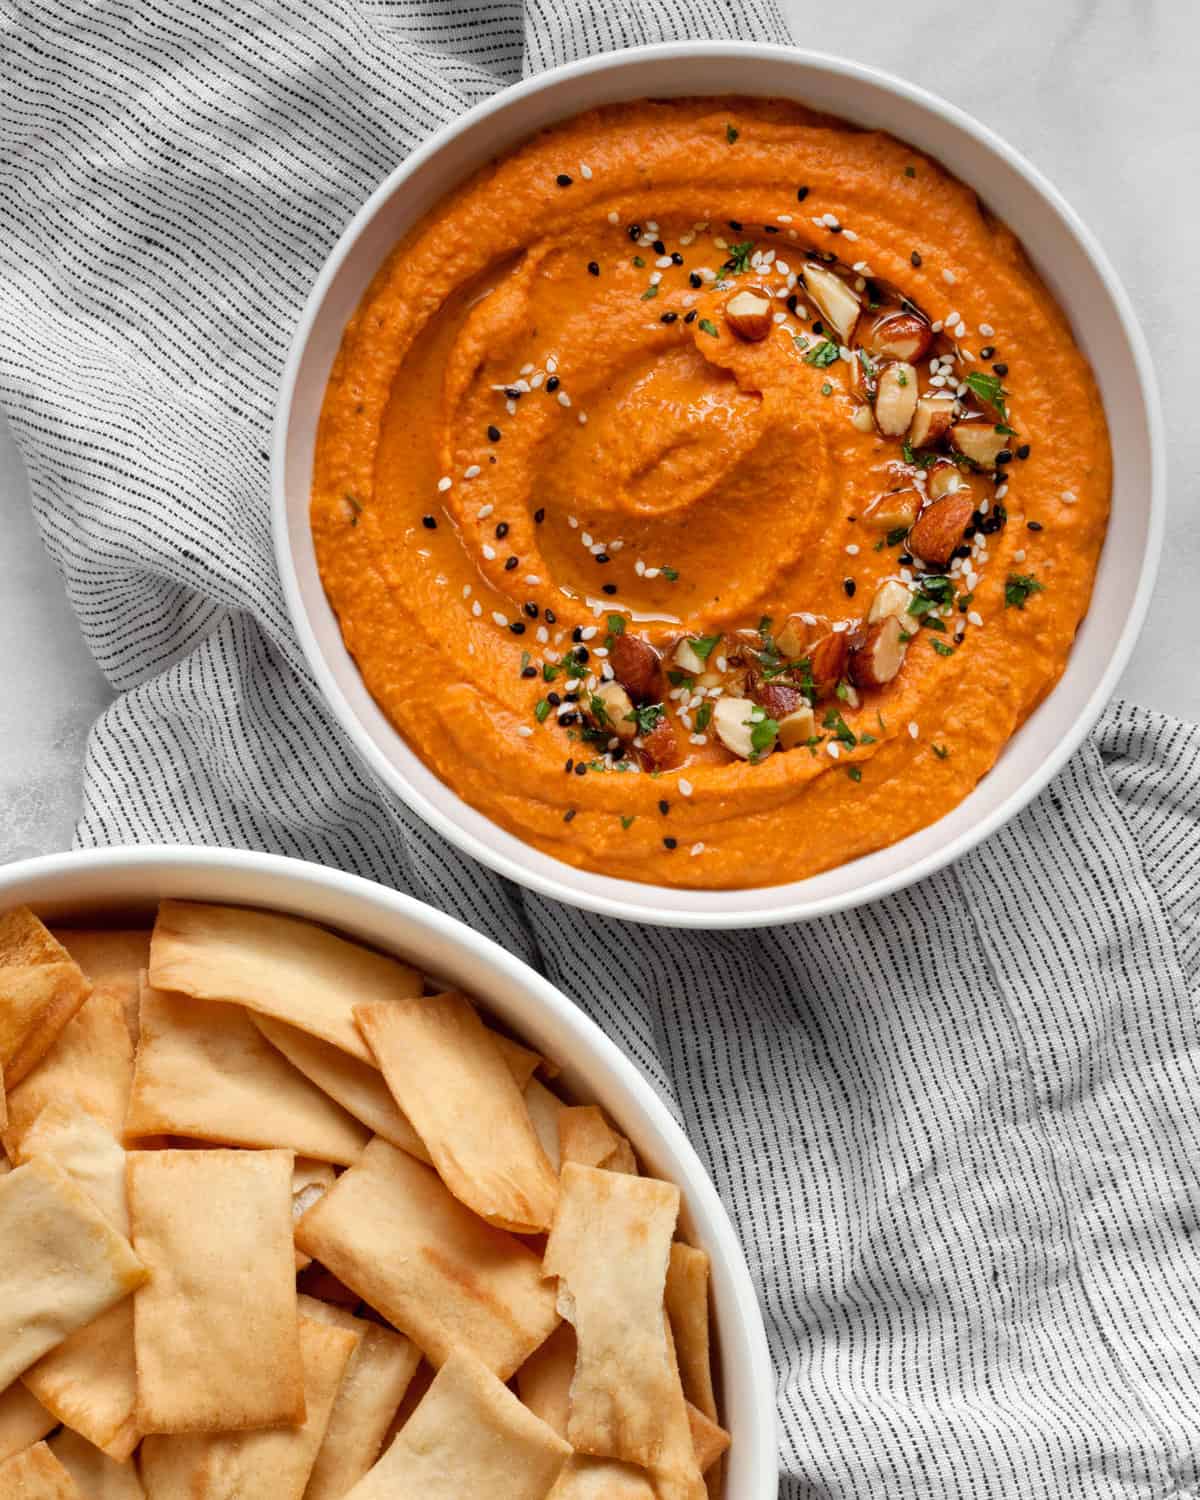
column 717, row 484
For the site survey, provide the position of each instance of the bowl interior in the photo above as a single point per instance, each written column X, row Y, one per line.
column 1065, row 256
column 109, row 886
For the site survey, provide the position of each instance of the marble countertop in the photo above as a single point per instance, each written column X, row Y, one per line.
column 1100, row 97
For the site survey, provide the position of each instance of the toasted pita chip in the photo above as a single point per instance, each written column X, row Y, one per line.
column 36, row 1474
column 275, row 1463
column 585, row 1136
column 469, row 1436
column 90, row 1382
column 41, row 988
column 280, row 966
column 448, row 1076
column 90, row 1065
column 687, row 1307
column 114, row 962
column 544, row 1109
column 3, row 1103
column 309, row 1180
column 357, row 1086
column 391, row 1231
column 61, row 1264
column 709, row 1440
column 609, row 1246
column 98, row 1476
column 601, row 1479
column 322, row 1285
column 376, row 1378
column 215, row 1328
column 676, row 1471
column 86, row 1149
column 23, row 1420
column 203, row 1070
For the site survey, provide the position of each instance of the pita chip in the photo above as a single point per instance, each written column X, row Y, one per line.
column 601, row 1479
column 357, row 1086
column 609, row 1246
column 86, row 1149
column 215, row 1327
column 36, row 1474
column 98, row 1476
column 687, row 1308
column 469, row 1436
column 585, row 1136
column 23, row 1420
column 391, row 1231
column 276, row 1462
column 90, row 1065
column 309, row 1180
column 279, row 966
column 544, row 1109
column 41, row 988
column 114, row 961
column 61, row 1264
column 375, row 1380
column 204, row 1070
column 447, row 1074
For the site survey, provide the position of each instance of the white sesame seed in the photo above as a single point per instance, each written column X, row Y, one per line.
column 949, row 277
column 651, row 226
column 471, row 472
column 532, row 579
column 783, row 268
column 663, row 261
column 685, row 787
column 697, row 849
column 583, row 419
column 614, row 217
column 510, row 407
column 829, row 221
column 485, row 511
column 722, row 664
column 1019, row 555
column 784, row 218
column 543, row 635
column 536, row 382
column 563, row 399
column 588, row 632
column 476, row 609
column 1069, row 497
column 936, row 326
column 444, row 483
column 850, row 235
column 839, row 626
column 616, row 544
column 852, row 548
column 466, row 590
column 551, row 365
column 779, row 317
column 585, row 171
column 697, row 739
column 639, row 567
column 974, row 617
column 651, row 572
column 586, row 538
column 986, row 330
column 834, row 749
column 499, row 618
column 601, row 651
column 489, row 551
column 572, row 523
column 914, row 729
column 524, row 731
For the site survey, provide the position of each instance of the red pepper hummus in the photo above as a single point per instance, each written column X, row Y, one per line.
column 708, row 490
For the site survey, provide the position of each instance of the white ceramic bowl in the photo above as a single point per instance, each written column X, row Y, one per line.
column 115, row 883
column 1065, row 254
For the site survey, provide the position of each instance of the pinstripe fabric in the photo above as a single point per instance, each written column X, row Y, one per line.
column 957, row 1129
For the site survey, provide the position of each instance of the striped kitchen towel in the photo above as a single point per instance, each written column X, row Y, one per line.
column 958, row 1129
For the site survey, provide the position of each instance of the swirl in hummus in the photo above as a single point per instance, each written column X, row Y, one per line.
column 708, row 489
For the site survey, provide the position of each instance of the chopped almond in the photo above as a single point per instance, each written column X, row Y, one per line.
column 893, row 509
column 931, row 421
column 827, row 662
column 637, row 667
column 778, row 698
column 978, row 442
column 686, row 658
column 899, row 335
column 797, row 728
column 836, row 300
column 896, row 400
column 944, row 479
column 793, row 638
column 731, row 720
column 940, row 527
column 618, row 709
column 876, row 662
column 748, row 313
column 891, row 598
column 660, row 748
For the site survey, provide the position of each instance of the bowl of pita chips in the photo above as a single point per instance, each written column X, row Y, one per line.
column 308, row 1191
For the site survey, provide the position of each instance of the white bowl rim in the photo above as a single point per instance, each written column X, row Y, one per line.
column 625, row 907
column 756, row 1369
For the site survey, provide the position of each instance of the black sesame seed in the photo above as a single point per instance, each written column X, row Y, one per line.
column 593, row 268
column 553, row 383
column 528, row 671
column 670, row 843
column 659, row 248
column 564, row 180
column 962, row 552
column 581, row 654
column 569, row 766
column 429, row 523
column 1034, row 525
column 530, row 609
column 517, row 627
column 634, row 231
column 668, row 317
column 501, row 530
column 1004, row 456
column 850, row 587
column 577, row 633
column 603, row 557
column 770, row 228
column 608, row 588
column 580, row 768
column 835, row 229
column 1023, row 451
column 905, row 559
column 551, row 617
column 792, row 303
column 569, row 719
column 987, row 351
column 690, row 317
column 818, row 326
column 664, row 807
column 695, row 279
column 676, row 258
column 735, row 224
column 1000, row 369
column 512, row 393
column 801, row 194
column 972, row 529
column 553, row 699
column 539, row 515
column 568, row 815
column 493, row 434
column 915, row 257
column 510, row 564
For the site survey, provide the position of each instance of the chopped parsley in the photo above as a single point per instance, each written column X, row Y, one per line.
column 627, row 820
column 704, row 715
column 940, row 751
column 739, row 257
column 645, row 717
column 706, row 325
column 870, row 373
column 541, row 711
column 989, row 389
column 896, row 535
column 616, row 626
column 670, row 574
column 854, row 773
column 638, row 262
column 703, row 645
column 825, row 354
column 1018, row 588
column 651, row 291
column 921, row 460
column 731, row 134
column 931, row 593
column 841, row 730
column 941, row 647
column 826, row 389
column 763, row 734
column 549, row 671
column 599, row 712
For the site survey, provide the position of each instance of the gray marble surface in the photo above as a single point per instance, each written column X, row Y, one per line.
column 1098, row 93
